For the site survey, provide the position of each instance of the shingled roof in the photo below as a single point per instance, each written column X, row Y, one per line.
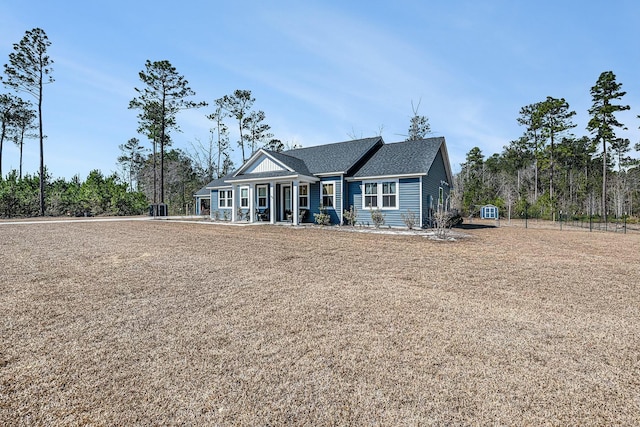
column 339, row 157
column 219, row 182
column 294, row 163
column 402, row 158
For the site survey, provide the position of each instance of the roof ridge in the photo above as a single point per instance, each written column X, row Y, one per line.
column 333, row 143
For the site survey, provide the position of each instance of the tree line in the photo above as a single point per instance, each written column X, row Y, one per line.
column 163, row 94
column 548, row 169
column 159, row 175
column 97, row 195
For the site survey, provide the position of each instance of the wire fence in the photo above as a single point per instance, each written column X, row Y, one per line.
column 594, row 224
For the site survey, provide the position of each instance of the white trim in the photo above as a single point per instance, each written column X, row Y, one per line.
column 282, row 208
column 305, row 195
column 385, row 177
column 272, row 202
column 244, row 187
column 234, row 216
column 294, row 202
column 255, row 156
column 252, row 195
column 226, row 199
column 266, row 196
column 445, row 160
column 284, row 178
column 380, row 194
column 421, row 218
column 342, row 198
column 329, row 174
column 333, row 205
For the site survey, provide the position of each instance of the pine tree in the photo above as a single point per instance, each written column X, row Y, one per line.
column 603, row 121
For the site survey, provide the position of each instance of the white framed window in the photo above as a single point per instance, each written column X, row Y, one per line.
column 328, row 196
column 244, row 197
column 380, row 194
column 263, row 192
column 225, row 198
column 370, row 194
column 389, row 194
column 440, row 196
column 303, row 196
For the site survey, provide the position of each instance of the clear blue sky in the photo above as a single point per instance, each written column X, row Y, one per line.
column 323, row 71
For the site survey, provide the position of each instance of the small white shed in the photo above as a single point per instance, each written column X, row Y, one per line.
column 489, row 212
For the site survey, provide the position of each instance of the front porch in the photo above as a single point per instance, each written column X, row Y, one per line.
column 272, row 202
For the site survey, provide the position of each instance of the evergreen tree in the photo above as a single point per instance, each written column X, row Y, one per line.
column 166, row 92
column 531, row 141
column 555, row 119
column 23, row 120
column 419, row 126
column 602, row 122
column 238, row 105
column 222, row 134
column 29, row 69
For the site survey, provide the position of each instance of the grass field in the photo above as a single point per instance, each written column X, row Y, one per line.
column 164, row 323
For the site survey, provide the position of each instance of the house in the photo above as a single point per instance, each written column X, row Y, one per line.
column 291, row 186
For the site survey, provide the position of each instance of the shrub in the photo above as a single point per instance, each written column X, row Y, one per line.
column 351, row 216
column 322, row 218
column 409, row 218
column 443, row 221
column 377, row 217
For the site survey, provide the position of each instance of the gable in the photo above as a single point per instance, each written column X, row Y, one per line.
column 337, row 158
column 264, row 164
column 402, row 158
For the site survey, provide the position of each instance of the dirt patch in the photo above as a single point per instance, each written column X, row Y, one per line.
column 161, row 323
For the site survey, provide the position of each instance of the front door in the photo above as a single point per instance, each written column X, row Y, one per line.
column 285, row 209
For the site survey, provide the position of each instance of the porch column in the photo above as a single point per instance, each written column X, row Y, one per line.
column 272, row 202
column 211, row 203
column 234, row 195
column 252, row 192
column 294, row 196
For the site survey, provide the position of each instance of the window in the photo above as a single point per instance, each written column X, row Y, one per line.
column 380, row 194
column 328, row 194
column 389, row 194
column 303, row 196
column 262, row 196
column 370, row 194
column 225, row 199
column 440, row 196
column 244, row 197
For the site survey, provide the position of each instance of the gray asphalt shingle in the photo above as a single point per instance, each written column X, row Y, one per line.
column 336, row 157
column 402, row 158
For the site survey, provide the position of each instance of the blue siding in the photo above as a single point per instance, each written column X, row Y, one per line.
column 314, row 202
column 408, row 199
column 354, row 190
column 315, row 198
column 215, row 209
column 431, row 185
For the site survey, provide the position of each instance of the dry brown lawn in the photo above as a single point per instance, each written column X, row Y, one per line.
column 165, row 323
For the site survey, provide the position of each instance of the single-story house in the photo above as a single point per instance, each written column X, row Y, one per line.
column 292, row 185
